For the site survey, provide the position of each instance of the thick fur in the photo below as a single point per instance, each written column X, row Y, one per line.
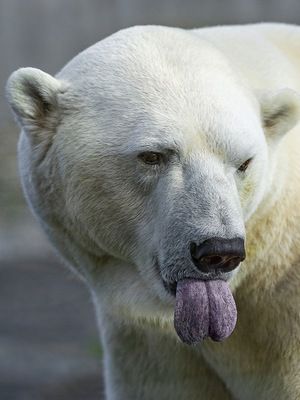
column 208, row 99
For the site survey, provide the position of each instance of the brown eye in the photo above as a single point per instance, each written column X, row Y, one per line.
column 151, row 158
column 245, row 165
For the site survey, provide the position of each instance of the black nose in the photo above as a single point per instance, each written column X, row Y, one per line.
column 217, row 254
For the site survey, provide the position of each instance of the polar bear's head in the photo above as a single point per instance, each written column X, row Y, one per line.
column 148, row 148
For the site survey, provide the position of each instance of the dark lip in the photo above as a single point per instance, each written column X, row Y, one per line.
column 170, row 287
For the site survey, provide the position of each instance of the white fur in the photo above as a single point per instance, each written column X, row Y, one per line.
column 209, row 99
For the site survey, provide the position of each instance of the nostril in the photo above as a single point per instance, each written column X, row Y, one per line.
column 231, row 263
column 212, row 259
column 226, row 261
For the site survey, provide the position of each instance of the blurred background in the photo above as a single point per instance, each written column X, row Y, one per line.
column 48, row 337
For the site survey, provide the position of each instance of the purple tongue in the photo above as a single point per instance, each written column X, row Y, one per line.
column 204, row 308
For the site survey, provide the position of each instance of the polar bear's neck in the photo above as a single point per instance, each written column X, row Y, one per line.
column 273, row 234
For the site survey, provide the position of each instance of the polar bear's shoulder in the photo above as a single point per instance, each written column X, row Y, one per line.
column 273, row 48
column 278, row 33
column 286, row 37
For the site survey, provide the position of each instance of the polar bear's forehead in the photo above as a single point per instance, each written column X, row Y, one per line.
column 153, row 63
column 144, row 48
column 166, row 82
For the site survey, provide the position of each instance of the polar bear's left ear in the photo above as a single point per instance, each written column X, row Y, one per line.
column 280, row 112
column 32, row 95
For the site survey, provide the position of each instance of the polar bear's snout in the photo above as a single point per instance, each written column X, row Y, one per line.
column 218, row 254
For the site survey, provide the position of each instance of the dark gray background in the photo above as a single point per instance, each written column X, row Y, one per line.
column 48, row 337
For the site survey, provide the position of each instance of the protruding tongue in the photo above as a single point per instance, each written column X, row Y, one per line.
column 204, row 308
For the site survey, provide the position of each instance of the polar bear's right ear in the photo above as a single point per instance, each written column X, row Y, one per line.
column 280, row 112
column 32, row 95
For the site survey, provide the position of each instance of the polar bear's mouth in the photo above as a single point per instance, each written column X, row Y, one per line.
column 203, row 309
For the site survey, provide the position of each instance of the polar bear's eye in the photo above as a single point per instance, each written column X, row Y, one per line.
column 151, row 158
column 245, row 165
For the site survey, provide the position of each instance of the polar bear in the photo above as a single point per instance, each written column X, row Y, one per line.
column 163, row 164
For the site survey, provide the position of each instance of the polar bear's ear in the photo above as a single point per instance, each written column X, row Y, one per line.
column 32, row 95
column 280, row 112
